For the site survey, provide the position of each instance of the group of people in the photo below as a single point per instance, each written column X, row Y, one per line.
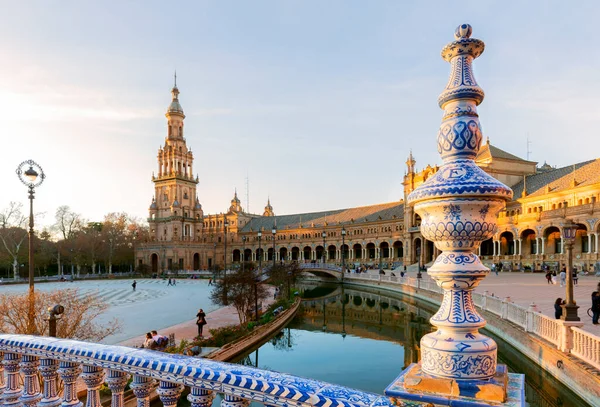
column 155, row 341
column 559, row 303
column 551, row 276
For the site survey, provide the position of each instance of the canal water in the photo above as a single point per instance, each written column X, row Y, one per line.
column 364, row 338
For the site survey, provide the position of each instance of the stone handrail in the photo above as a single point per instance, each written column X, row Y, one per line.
column 324, row 266
column 586, row 346
column 579, row 343
column 23, row 357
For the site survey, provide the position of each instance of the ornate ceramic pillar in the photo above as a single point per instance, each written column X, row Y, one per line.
column 169, row 393
column 93, row 377
column 458, row 208
column 230, row 400
column 2, row 383
column 200, row 397
column 48, row 370
column 69, row 372
column 31, row 384
column 142, row 387
column 116, row 382
column 12, row 391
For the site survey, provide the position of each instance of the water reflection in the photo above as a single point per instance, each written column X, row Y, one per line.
column 364, row 338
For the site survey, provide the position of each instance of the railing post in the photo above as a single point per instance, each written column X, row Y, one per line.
column 484, row 300
column 31, row 385
column 199, row 397
column 529, row 315
column 142, row 387
column 12, row 392
column 48, row 370
column 69, row 372
column 116, row 382
column 566, row 335
column 169, row 393
column 93, row 377
column 2, row 383
column 230, row 400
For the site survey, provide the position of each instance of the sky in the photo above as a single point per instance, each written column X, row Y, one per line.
column 316, row 103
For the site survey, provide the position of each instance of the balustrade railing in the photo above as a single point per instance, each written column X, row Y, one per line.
column 585, row 345
column 61, row 360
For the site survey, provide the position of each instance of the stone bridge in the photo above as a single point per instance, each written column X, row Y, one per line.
column 322, row 269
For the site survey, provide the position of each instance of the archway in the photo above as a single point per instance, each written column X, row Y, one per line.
column 398, row 249
column 319, row 250
column 581, row 244
column 307, row 253
column 270, row 254
column 553, row 240
column 487, row 247
column 247, row 255
column 154, row 261
column 295, row 253
column 344, row 251
column 196, row 261
column 259, row 254
column 370, row 251
column 428, row 251
column 283, row 253
column 331, row 252
column 507, row 243
column 236, row 256
column 528, row 242
column 384, row 249
column 357, row 249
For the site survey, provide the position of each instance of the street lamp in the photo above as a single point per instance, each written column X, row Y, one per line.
column 343, row 252
column 323, row 256
column 214, row 265
column 32, row 177
column 274, row 231
column 256, row 280
column 569, row 230
column 225, row 224
column 243, row 253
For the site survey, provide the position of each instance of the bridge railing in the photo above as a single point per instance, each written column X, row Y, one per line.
column 322, row 266
column 568, row 338
column 26, row 358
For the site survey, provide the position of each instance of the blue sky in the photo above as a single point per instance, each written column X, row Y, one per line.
column 317, row 102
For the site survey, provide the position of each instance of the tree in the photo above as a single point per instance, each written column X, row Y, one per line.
column 282, row 275
column 67, row 224
column 237, row 289
column 13, row 233
column 77, row 322
column 114, row 230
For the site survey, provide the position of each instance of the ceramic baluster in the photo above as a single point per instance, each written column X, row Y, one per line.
column 12, row 391
column 2, row 382
column 31, row 384
column 142, row 387
column 116, row 382
column 169, row 393
column 458, row 207
column 48, row 369
column 69, row 372
column 93, row 377
column 200, row 397
column 230, row 400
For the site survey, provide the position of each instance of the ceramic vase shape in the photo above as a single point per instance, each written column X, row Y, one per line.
column 458, row 207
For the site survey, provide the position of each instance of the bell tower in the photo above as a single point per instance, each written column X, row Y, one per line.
column 175, row 213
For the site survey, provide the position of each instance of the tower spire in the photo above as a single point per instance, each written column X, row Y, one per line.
column 175, row 77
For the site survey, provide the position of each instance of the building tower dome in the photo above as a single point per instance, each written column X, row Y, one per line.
column 175, row 108
column 410, row 163
column 268, row 209
column 236, row 204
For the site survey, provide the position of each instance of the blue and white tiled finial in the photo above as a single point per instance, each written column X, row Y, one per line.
column 460, row 133
column 458, row 207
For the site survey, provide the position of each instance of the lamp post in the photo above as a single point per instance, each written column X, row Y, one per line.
column 274, row 231
column 323, row 256
column 32, row 177
column 343, row 252
column 243, row 253
column 214, row 265
column 225, row 224
column 569, row 230
column 257, row 277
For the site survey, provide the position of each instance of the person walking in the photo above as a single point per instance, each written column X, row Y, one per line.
column 169, row 282
column 200, row 321
column 134, row 284
column 563, row 277
column 558, row 310
column 575, row 276
column 595, row 307
column 549, row 276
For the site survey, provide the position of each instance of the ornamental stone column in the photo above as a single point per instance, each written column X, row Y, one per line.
column 117, row 381
column 458, row 207
column 199, row 397
column 12, row 391
column 48, row 369
column 142, row 387
column 31, row 385
column 2, row 383
column 69, row 372
column 93, row 377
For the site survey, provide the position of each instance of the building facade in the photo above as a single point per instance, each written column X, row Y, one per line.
column 381, row 235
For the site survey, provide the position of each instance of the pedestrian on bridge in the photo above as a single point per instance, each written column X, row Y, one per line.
column 134, row 284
